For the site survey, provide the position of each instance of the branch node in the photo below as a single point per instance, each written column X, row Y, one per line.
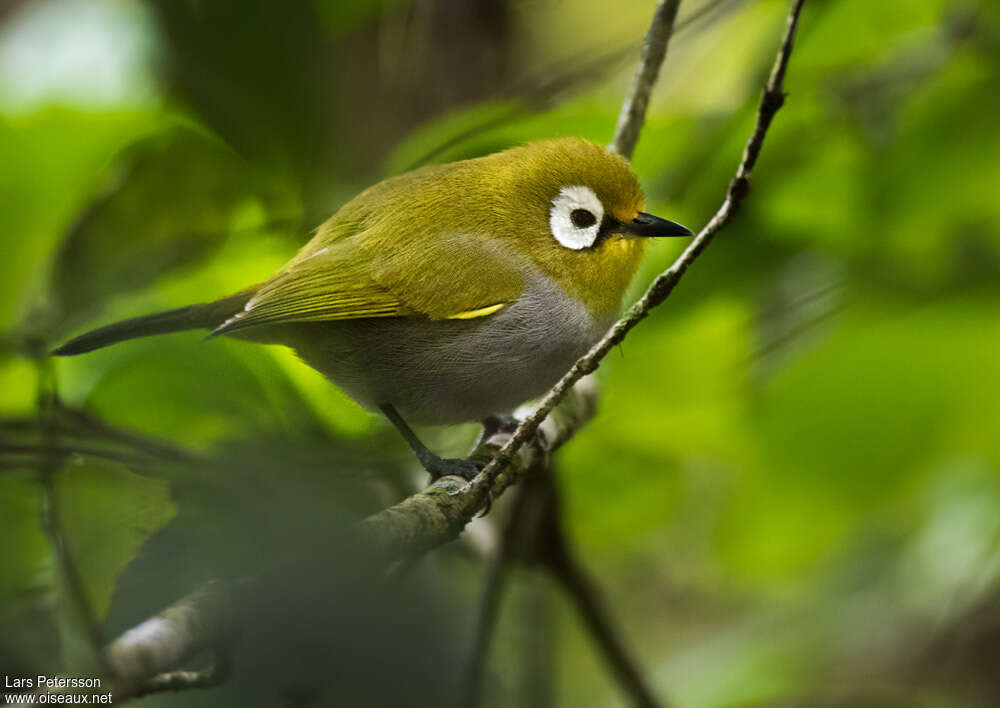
column 739, row 187
column 772, row 100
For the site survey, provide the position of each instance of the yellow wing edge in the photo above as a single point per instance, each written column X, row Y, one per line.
column 472, row 314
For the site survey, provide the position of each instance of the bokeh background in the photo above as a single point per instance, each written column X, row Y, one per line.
column 791, row 495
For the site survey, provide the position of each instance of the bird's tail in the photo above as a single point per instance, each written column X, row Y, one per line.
column 206, row 315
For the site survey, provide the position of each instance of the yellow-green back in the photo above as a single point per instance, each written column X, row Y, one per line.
column 448, row 240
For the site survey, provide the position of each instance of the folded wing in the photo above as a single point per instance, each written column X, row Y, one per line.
column 371, row 274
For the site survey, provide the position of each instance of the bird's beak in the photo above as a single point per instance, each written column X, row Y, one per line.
column 649, row 226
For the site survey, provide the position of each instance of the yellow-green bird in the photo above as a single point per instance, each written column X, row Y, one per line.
column 451, row 293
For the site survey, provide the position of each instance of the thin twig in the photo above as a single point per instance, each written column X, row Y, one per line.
column 558, row 556
column 489, row 601
column 42, row 449
column 537, row 668
column 80, row 608
column 771, row 100
column 147, row 445
column 587, row 599
column 654, row 51
column 489, row 605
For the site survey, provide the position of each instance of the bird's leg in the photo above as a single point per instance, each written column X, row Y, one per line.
column 436, row 466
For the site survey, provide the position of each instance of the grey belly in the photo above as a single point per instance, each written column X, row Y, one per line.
column 450, row 371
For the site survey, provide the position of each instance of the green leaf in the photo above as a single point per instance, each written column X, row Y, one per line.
column 50, row 159
column 107, row 513
column 169, row 201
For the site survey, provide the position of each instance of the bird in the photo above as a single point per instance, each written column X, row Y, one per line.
column 448, row 294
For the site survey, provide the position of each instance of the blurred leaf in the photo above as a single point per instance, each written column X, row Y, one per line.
column 327, row 402
column 339, row 17
column 181, row 388
column 107, row 513
column 169, row 201
column 849, row 426
column 857, row 32
column 49, row 160
column 941, row 143
column 18, row 385
column 27, row 636
column 440, row 139
column 26, row 566
column 641, row 467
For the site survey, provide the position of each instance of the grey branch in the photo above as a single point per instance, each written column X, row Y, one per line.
column 182, row 681
column 141, row 659
column 439, row 513
column 654, row 51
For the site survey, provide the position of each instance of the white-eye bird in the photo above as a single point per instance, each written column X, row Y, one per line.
column 450, row 293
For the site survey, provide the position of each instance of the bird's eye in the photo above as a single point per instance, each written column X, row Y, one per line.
column 582, row 218
column 575, row 218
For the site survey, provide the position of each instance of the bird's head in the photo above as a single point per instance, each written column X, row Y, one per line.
column 575, row 209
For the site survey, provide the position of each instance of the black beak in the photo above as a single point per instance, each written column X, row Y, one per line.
column 649, row 226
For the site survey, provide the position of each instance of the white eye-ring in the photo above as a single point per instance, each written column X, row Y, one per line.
column 576, row 217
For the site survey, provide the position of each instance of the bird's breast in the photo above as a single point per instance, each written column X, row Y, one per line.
column 450, row 371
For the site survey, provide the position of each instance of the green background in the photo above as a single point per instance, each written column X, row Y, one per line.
column 791, row 494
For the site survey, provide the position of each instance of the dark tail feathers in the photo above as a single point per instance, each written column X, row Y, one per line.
column 207, row 315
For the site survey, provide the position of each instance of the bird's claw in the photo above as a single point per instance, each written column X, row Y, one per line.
column 438, row 467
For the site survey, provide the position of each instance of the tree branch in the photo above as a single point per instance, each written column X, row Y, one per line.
column 654, row 51
column 182, row 681
column 489, row 601
column 553, row 550
column 141, row 659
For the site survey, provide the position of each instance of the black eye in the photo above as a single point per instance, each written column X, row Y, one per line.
column 582, row 218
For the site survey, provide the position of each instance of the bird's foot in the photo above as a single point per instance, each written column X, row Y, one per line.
column 438, row 467
column 467, row 469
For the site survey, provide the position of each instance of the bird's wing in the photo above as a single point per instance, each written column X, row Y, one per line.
column 365, row 276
